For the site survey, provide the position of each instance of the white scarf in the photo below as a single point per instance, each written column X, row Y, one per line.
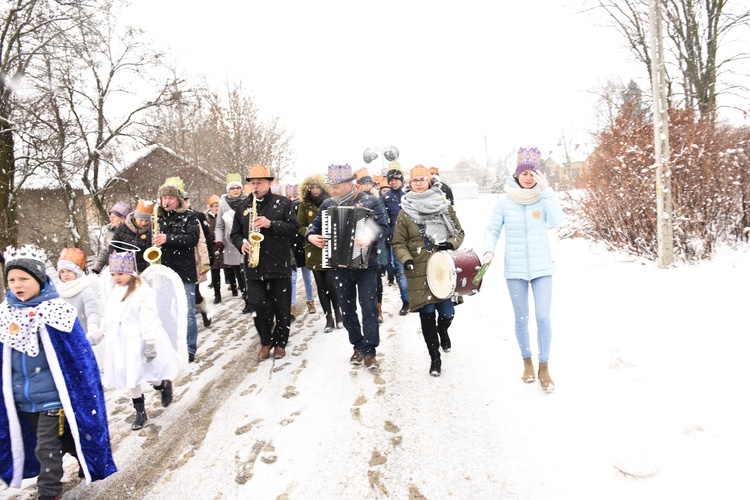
column 524, row 196
column 72, row 288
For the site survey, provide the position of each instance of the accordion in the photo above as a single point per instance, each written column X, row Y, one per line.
column 341, row 226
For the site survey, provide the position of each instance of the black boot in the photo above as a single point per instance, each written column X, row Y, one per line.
column 329, row 323
column 140, row 413
column 339, row 319
column 442, row 326
column 217, row 295
column 248, row 308
column 404, row 309
column 166, row 392
column 430, row 334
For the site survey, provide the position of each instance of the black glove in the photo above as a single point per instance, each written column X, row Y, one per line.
column 445, row 245
column 409, row 265
column 95, row 271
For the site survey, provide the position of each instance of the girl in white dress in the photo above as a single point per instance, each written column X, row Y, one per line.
column 137, row 349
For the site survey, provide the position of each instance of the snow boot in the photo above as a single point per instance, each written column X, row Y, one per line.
column 205, row 315
column 140, row 413
column 166, row 392
column 528, row 371
column 380, row 312
column 339, row 318
column 404, row 308
column 442, row 327
column 329, row 323
column 310, row 306
column 430, row 334
column 547, row 384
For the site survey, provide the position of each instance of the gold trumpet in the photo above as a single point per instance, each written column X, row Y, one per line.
column 152, row 254
column 254, row 234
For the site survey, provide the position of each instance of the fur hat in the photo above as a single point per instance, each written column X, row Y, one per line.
column 528, row 159
column 173, row 186
column 419, row 171
column 212, row 199
column 258, row 171
column 120, row 209
column 233, row 180
column 339, row 173
column 122, row 262
column 72, row 259
column 28, row 258
column 144, row 209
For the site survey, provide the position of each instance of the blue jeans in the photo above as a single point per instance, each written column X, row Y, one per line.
column 192, row 325
column 366, row 337
column 307, row 279
column 519, row 296
column 445, row 309
column 400, row 278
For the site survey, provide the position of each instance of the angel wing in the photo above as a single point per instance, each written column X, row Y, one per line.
column 171, row 303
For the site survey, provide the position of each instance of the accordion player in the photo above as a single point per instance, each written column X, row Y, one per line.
column 341, row 226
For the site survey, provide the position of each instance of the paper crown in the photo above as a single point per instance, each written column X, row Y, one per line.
column 434, row 170
column 122, row 262
column 292, row 190
column 212, row 199
column 528, row 159
column 74, row 255
column 383, row 182
column 276, row 188
column 258, row 171
column 144, row 207
column 418, row 172
column 339, row 173
column 25, row 252
column 362, row 172
column 173, row 186
column 234, row 179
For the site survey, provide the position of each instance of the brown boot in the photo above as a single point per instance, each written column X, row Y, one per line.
column 380, row 312
column 547, row 384
column 528, row 371
column 310, row 306
column 264, row 353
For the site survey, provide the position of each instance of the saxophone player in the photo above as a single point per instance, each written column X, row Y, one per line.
column 263, row 228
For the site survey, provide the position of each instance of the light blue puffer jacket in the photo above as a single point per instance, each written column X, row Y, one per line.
column 527, row 250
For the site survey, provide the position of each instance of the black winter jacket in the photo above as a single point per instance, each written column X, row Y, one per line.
column 183, row 233
column 275, row 249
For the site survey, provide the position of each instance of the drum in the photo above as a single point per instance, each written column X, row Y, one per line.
column 452, row 272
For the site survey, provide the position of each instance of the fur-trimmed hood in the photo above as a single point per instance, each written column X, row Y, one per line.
column 310, row 180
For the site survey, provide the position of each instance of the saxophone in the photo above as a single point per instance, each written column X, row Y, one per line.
column 152, row 254
column 254, row 235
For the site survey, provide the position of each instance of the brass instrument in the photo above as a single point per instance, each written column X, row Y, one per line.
column 254, row 235
column 152, row 254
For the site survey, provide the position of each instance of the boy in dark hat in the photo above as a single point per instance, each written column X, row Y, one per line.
column 392, row 200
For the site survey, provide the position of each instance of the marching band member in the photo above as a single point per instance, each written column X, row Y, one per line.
column 427, row 223
column 268, row 280
column 365, row 338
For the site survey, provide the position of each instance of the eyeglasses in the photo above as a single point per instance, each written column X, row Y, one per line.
column 420, row 179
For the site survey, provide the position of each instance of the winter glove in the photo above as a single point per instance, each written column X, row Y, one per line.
column 445, row 245
column 149, row 353
column 541, row 180
column 206, row 268
column 219, row 246
column 95, row 335
column 487, row 258
column 95, row 271
column 409, row 265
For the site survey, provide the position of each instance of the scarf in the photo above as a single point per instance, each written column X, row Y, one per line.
column 520, row 195
column 430, row 209
column 72, row 288
column 20, row 321
column 317, row 200
column 348, row 198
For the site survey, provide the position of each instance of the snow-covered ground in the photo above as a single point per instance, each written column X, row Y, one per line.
column 648, row 365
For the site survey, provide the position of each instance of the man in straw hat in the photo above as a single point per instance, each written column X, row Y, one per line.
column 364, row 338
column 267, row 285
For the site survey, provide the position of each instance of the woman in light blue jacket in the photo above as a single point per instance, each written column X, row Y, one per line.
column 528, row 207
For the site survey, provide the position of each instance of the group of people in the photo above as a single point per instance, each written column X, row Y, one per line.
column 53, row 390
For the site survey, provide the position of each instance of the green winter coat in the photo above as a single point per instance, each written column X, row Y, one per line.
column 408, row 244
column 307, row 213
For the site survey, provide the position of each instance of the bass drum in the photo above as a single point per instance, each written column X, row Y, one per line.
column 452, row 272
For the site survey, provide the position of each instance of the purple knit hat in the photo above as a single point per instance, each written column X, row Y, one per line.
column 528, row 159
column 121, row 209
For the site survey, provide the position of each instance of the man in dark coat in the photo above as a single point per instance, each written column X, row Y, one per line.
column 268, row 285
column 392, row 201
column 365, row 338
column 179, row 233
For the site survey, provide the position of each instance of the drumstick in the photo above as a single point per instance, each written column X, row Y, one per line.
column 480, row 273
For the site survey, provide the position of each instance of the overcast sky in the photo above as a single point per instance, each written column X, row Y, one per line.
column 431, row 78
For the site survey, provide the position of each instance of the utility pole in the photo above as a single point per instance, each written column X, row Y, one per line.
column 664, row 232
